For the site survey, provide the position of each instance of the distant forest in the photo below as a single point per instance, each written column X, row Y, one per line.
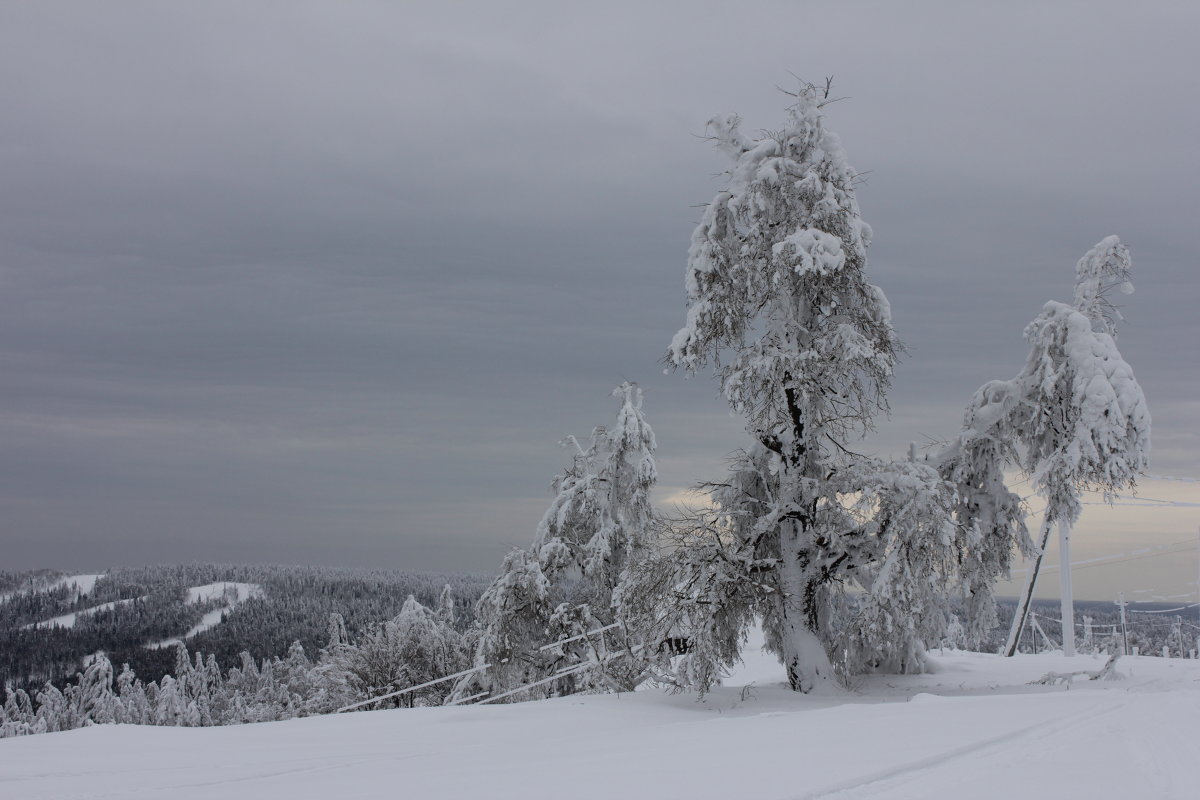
column 296, row 603
column 294, row 606
column 270, row 643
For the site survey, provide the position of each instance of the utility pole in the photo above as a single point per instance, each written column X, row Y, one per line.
column 1033, row 620
column 1064, row 584
column 1124, row 629
column 1026, row 597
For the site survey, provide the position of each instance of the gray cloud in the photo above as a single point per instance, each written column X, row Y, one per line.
column 326, row 282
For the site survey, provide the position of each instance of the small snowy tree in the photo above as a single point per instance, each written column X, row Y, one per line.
column 413, row 648
column 513, row 618
column 599, row 523
column 96, row 700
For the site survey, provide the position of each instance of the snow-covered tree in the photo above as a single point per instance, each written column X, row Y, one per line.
column 1073, row 419
column 803, row 348
column 96, row 700
column 17, row 718
column 1078, row 411
column 512, row 617
column 599, row 523
column 134, row 708
column 849, row 561
column 415, row 647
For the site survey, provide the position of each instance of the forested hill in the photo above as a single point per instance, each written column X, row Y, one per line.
column 50, row 622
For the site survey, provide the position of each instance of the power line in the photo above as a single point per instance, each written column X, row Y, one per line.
column 1147, row 504
column 1182, row 546
column 1164, row 611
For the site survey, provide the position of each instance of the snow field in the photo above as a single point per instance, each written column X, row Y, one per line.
column 975, row 728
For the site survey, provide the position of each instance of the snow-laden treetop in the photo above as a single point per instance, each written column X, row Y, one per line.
column 775, row 283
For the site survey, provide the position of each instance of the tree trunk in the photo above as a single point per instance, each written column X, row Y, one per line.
column 803, row 654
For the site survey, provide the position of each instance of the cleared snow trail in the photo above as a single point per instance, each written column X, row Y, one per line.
column 234, row 593
column 69, row 620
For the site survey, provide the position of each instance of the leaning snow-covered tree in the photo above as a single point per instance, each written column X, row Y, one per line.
column 1077, row 409
column 1073, row 419
column 599, row 523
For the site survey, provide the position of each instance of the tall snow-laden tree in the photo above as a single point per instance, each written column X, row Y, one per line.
column 599, row 523
column 803, row 348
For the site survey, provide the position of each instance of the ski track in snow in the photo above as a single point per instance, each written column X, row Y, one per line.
column 887, row 781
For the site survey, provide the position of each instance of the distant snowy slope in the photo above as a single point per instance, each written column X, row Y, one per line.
column 69, row 620
column 234, row 595
column 83, row 585
column 973, row 729
column 232, row 591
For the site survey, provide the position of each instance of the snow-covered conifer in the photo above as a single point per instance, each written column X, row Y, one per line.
column 135, row 706
column 97, row 702
column 18, row 716
column 445, row 606
column 599, row 523
column 513, row 617
column 412, row 649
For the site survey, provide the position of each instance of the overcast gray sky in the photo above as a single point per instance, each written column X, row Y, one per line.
column 327, row 282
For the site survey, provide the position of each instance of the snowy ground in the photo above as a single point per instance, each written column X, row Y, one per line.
column 974, row 729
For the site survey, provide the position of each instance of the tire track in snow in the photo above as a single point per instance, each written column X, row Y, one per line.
column 887, row 779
